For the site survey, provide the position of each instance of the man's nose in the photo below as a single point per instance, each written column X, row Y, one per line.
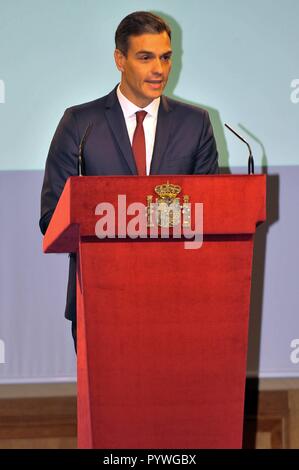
column 157, row 67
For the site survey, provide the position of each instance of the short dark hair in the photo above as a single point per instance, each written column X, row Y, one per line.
column 137, row 23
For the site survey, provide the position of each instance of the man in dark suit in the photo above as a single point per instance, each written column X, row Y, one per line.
column 134, row 130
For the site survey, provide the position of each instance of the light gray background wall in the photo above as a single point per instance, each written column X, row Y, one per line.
column 237, row 59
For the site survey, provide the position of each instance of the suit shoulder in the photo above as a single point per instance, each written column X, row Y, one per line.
column 83, row 114
column 86, row 108
column 186, row 108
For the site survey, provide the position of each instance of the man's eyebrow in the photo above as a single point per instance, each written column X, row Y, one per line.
column 167, row 53
column 152, row 53
column 143, row 52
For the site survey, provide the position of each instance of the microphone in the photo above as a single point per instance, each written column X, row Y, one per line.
column 250, row 158
column 81, row 163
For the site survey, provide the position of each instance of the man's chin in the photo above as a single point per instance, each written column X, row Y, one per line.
column 155, row 94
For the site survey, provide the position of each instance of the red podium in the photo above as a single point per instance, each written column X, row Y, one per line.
column 162, row 330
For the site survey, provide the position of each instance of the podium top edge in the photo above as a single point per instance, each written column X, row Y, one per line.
column 261, row 175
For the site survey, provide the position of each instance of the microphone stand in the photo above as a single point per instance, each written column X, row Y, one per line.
column 250, row 158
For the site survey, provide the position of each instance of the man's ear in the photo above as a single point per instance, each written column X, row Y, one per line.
column 120, row 59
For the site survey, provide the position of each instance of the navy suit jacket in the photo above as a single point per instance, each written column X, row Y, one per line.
column 184, row 144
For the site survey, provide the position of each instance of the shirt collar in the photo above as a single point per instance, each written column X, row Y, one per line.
column 129, row 109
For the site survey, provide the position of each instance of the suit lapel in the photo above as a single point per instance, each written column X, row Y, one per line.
column 118, row 127
column 162, row 135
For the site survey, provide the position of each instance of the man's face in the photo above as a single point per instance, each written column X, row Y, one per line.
column 146, row 68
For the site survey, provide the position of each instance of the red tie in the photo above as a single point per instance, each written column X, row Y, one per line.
column 138, row 144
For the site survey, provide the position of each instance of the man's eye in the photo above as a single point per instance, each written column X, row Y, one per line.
column 166, row 58
column 144, row 57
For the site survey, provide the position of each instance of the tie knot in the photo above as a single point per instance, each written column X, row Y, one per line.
column 140, row 115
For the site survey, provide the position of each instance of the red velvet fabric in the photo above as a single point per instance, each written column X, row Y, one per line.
column 166, row 333
column 83, row 372
column 162, row 337
column 233, row 204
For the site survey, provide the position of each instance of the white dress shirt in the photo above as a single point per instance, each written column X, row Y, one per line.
column 149, row 124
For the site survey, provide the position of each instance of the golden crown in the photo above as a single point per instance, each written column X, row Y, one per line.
column 168, row 190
